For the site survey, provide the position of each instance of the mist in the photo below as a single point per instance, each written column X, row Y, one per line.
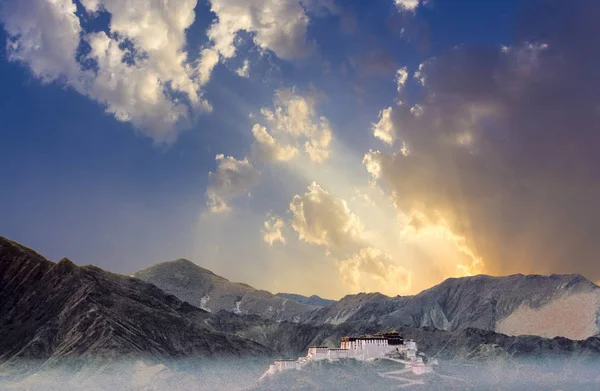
column 502, row 373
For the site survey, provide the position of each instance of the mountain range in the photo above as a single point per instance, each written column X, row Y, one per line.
column 546, row 306
column 204, row 289
column 53, row 311
column 57, row 311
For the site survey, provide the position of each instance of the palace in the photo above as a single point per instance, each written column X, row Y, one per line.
column 362, row 348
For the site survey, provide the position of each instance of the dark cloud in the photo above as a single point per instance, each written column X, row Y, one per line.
column 507, row 149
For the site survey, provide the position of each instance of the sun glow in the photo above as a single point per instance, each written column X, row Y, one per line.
column 429, row 253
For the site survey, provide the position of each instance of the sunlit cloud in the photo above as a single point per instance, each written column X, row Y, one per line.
column 139, row 76
column 384, row 129
column 322, row 219
column 408, row 5
column 295, row 122
column 232, row 178
column 373, row 270
column 272, row 231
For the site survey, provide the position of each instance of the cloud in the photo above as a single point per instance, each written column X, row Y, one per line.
column 278, row 26
column 372, row 270
column 268, row 148
column 272, row 231
column 294, row 120
column 45, row 36
column 317, row 147
column 384, row 129
column 408, row 5
column 233, row 178
column 244, row 70
column 401, row 77
column 322, row 219
column 503, row 146
column 209, row 58
column 138, row 69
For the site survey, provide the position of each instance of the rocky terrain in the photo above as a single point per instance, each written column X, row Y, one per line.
column 312, row 300
column 291, row 340
column 51, row 311
column 204, row 289
column 547, row 306
column 59, row 312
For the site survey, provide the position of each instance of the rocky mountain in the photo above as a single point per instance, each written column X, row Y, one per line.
column 204, row 289
column 55, row 310
column 51, row 311
column 313, row 300
column 546, row 306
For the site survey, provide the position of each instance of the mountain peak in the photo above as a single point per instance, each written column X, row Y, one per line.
column 211, row 292
column 313, row 300
column 182, row 262
column 56, row 310
column 66, row 262
column 181, row 265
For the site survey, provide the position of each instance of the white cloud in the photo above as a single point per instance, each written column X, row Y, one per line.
column 279, row 26
column 416, row 110
column 272, row 231
column 140, row 63
column 372, row 270
column 209, row 58
column 139, row 69
column 322, row 219
column 233, row 178
column 293, row 120
column 45, row 36
column 244, row 70
column 401, row 78
column 420, row 75
column 317, row 147
column 372, row 162
column 384, row 129
column 268, row 148
column 409, row 5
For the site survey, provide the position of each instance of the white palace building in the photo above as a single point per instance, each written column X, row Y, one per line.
column 362, row 348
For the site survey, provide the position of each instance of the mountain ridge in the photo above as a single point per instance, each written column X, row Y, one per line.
column 52, row 311
column 517, row 304
column 204, row 289
column 484, row 302
column 314, row 300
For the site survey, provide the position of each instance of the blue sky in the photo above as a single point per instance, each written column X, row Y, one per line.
column 123, row 194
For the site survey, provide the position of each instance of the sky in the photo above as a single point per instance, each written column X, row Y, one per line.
column 322, row 147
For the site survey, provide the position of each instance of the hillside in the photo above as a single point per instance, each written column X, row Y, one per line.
column 51, row 311
column 204, row 289
column 547, row 306
column 312, row 300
